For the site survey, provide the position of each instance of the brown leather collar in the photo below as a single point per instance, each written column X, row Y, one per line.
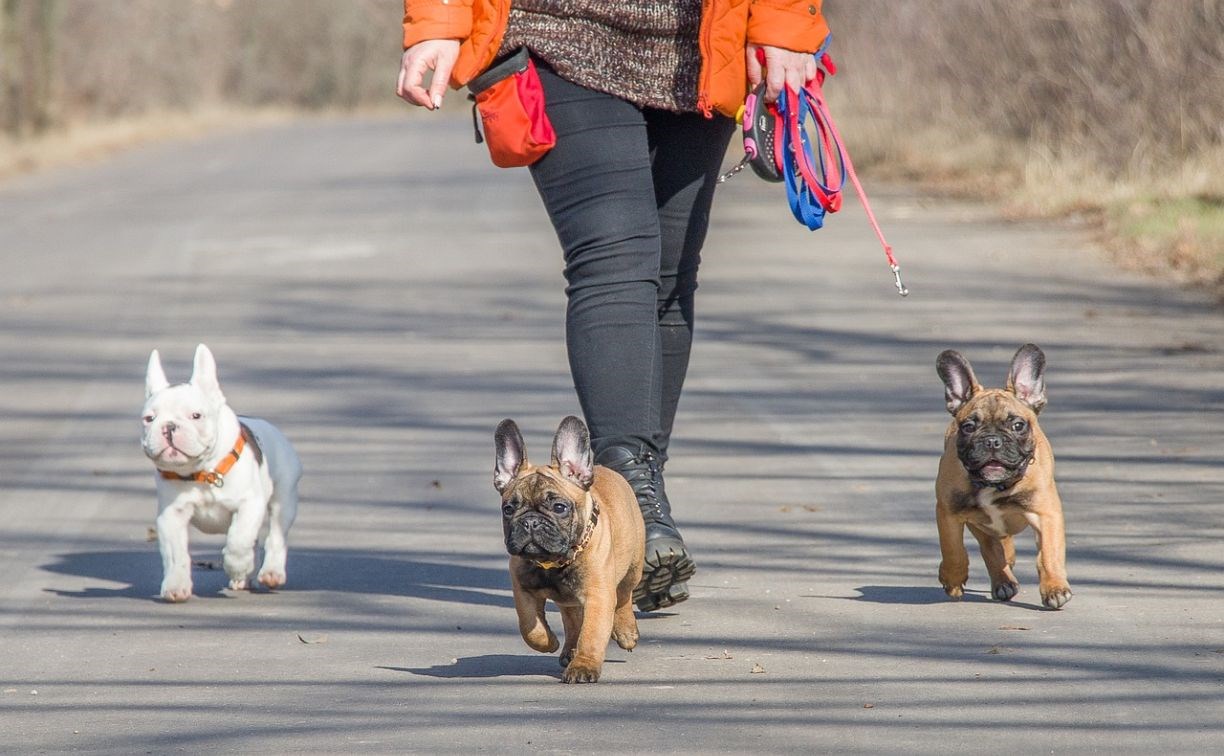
column 586, row 539
column 216, row 477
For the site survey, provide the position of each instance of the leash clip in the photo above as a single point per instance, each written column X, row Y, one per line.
column 214, row 479
column 896, row 271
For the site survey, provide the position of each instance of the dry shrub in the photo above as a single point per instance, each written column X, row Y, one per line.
column 110, row 58
column 1125, row 86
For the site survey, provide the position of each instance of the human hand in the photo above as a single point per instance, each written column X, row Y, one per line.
column 783, row 68
column 437, row 55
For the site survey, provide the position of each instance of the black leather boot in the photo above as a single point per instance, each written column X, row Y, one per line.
column 668, row 565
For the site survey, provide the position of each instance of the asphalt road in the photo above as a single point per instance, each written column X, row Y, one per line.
column 386, row 296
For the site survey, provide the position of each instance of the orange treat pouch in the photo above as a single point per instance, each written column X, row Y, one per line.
column 510, row 101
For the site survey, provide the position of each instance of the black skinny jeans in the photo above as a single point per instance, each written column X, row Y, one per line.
column 628, row 191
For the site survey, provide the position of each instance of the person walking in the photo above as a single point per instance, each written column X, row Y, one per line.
column 642, row 97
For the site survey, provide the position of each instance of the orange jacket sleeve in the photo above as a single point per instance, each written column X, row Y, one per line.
column 798, row 26
column 436, row 19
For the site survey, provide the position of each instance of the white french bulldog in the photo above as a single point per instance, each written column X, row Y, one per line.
column 218, row 472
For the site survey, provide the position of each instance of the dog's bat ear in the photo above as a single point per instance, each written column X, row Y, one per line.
column 511, row 453
column 1027, row 376
column 960, row 384
column 571, row 452
column 204, row 373
column 155, row 377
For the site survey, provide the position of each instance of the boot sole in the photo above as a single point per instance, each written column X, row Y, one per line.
column 665, row 574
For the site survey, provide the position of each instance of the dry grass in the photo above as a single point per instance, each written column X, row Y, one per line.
column 1111, row 110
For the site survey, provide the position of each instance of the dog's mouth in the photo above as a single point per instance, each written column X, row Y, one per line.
column 997, row 474
column 169, row 456
column 535, row 546
column 994, row 469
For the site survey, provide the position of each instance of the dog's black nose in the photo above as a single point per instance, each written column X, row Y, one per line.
column 992, row 442
column 169, row 428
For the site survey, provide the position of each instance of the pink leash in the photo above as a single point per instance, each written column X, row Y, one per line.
column 817, row 92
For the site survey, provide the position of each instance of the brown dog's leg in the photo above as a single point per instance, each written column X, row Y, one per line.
column 954, row 567
column 532, row 625
column 1003, row 585
column 571, row 620
column 593, row 636
column 624, row 624
column 1051, row 558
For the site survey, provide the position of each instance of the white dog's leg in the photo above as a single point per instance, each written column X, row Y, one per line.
column 272, row 573
column 172, row 525
column 238, row 556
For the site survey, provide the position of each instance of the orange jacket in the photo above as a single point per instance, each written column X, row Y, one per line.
column 727, row 26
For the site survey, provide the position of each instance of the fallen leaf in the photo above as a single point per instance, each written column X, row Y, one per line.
column 724, row 656
column 151, row 534
column 312, row 639
column 1013, row 627
column 757, row 669
column 868, row 706
column 994, row 650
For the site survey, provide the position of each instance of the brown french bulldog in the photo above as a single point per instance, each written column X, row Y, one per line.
column 997, row 477
column 575, row 535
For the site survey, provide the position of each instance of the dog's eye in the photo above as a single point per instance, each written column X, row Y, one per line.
column 560, row 507
column 507, row 509
column 968, row 426
column 196, row 416
column 147, row 419
column 1019, row 426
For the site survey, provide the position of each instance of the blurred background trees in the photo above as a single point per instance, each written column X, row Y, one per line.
column 1127, row 87
column 63, row 62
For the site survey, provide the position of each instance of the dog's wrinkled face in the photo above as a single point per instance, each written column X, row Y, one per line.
column 994, row 438
column 539, row 519
column 180, row 421
column 995, row 427
column 545, row 510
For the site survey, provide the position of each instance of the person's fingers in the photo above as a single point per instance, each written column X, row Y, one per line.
column 795, row 77
column 440, row 80
column 412, row 76
column 809, row 67
column 775, row 78
column 754, row 66
column 401, row 82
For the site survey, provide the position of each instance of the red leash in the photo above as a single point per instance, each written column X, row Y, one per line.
column 822, row 114
column 813, row 170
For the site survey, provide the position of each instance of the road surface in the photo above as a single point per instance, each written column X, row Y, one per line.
column 386, row 296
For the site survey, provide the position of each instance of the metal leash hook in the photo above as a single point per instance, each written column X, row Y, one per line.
column 896, row 271
column 735, row 169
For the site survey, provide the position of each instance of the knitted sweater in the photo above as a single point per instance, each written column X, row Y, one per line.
column 642, row 51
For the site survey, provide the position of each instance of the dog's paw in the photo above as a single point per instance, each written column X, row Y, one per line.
column 272, row 579
column 1004, row 591
column 626, row 639
column 581, row 671
column 176, row 594
column 543, row 641
column 1055, row 596
column 238, row 584
column 566, row 657
column 955, row 592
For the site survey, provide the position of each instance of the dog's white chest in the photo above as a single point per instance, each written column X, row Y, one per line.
column 994, row 515
column 211, row 516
